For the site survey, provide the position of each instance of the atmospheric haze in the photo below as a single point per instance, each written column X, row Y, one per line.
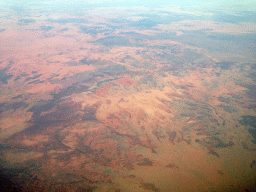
column 128, row 96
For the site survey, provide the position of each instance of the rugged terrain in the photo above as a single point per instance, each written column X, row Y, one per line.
column 92, row 103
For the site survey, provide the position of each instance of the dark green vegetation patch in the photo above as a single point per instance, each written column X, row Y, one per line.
column 114, row 41
column 26, row 21
column 4, row 76
column 46, row 28
column 249, row 120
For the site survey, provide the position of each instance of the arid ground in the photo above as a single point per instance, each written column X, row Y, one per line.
column 127, row 100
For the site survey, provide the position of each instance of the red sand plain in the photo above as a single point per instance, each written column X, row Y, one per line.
column 77, row 126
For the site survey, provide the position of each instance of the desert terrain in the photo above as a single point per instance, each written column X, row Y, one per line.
column 119, row 102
